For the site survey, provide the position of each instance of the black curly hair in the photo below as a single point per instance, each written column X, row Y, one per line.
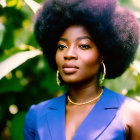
column 114, row 29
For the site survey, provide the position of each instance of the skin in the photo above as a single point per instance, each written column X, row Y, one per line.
column 131, row 118
column 76, row 47
column 78, row 60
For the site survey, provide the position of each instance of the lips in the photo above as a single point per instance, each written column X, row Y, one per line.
column 69, row 68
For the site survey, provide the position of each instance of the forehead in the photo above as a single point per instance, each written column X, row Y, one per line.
column 75, row 32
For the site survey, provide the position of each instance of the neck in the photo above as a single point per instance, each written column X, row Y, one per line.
column 83, row 92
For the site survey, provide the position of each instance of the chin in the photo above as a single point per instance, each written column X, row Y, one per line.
column 79, row 80
column 71, row 80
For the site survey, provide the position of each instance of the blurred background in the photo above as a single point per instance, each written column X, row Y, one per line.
column 25, row 75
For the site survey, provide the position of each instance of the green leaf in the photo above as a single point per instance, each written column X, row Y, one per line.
column 17, row 125
column 2, row 31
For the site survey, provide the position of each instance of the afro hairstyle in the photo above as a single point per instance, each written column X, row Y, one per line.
column 114, row 29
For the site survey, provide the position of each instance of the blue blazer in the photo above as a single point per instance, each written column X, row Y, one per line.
column 46, row 121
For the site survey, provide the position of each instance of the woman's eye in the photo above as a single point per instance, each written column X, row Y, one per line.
column 85, row 47
column 61, row 47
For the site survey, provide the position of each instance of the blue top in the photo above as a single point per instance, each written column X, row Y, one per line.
column 46, row 121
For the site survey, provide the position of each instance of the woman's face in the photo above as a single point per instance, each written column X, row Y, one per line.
column 77, row 57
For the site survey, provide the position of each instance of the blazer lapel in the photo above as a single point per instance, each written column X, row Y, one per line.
column 56, row 118
column 94, row 124
column 99, row 118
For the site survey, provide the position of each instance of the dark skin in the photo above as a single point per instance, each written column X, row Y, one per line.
column 78, row 60
column 76, row 114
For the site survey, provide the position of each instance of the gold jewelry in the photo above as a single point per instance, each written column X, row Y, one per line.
column 57, row 78
column 104, row 73
column 85, row 102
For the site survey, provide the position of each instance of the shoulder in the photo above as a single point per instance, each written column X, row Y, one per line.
column 36, row 116
column 131, row 118
column 43, row 106
column 132, row 109
column 113, row 97
column 39, row 111
column 130, row 105
column 130, row 112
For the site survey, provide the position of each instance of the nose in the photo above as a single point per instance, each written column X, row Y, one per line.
column 70, row 53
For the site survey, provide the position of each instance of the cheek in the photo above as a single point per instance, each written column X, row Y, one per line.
column 91, row 59
column 57, row 59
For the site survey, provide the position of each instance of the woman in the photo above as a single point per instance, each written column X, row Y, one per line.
column 82, row 39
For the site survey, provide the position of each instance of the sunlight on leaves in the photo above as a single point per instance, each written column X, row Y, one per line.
column 33, row 5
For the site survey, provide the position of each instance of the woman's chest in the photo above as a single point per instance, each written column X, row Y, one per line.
column 103, row 122
column 88, row 130
column 74, row 117
column 100, row 125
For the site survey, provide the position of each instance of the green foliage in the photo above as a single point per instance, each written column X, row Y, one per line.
column 16, row 131
column 34, row 80
column 30, row 83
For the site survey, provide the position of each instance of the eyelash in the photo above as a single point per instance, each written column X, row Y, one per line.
column 61, row 47
column 84, row 46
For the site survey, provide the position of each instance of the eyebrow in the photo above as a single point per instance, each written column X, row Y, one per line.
column 79, row 38
column 63, row 39
column 84, row 37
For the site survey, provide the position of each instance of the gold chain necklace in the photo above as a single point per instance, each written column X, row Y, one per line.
column 85, row 102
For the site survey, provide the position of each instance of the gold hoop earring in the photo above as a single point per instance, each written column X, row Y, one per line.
column 104, row 73
column 57, row 78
